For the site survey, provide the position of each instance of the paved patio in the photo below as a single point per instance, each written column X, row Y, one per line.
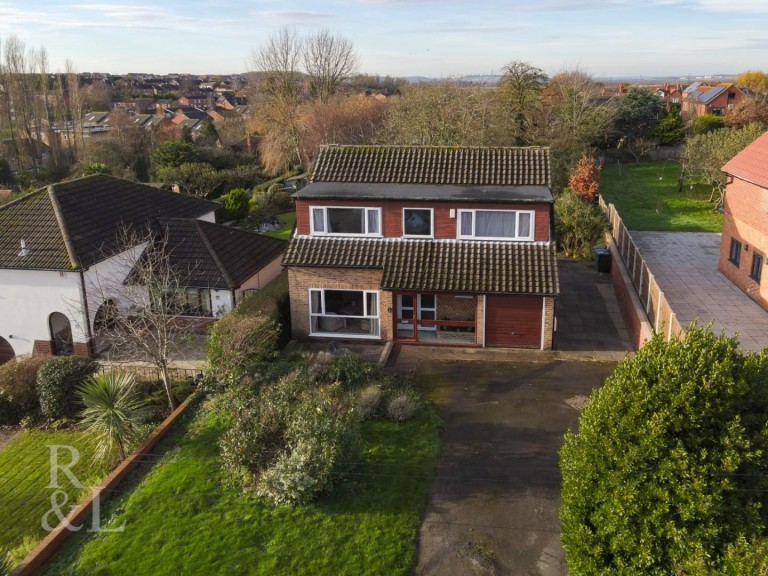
column 685, row 266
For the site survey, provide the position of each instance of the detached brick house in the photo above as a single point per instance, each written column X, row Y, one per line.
column 425, row 245
column 700, row 98
column 744, row 244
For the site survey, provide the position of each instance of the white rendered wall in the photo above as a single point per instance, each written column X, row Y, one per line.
column 29, row 297
column 104, row 281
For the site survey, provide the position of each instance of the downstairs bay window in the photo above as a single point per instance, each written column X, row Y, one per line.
column 344, row 313
column 496, row 224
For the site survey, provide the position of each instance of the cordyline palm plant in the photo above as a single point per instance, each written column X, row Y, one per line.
column 5, row 563
column 113, row 412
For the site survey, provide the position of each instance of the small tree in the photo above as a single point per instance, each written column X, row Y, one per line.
column 579, row 225
column 173, row 153
column 668, row 471
column 670, row 131
column 236, row 203
column 585, row 178
column 148, row 323
column 198, row 179
column 704, row 155
column 636, row 115
column 96, row 168
column 113, row 412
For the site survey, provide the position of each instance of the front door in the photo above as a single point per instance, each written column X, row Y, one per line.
column 412, row 307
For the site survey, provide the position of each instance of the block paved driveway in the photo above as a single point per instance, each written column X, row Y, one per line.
column 685, row 266
column 494, row 502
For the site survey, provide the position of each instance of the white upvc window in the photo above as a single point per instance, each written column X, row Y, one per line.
column 496, row 224
column 345, row 221
column 343, row 313
column 418, row 223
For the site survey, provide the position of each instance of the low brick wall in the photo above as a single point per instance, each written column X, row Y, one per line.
column 82, row 512
column 638, row 326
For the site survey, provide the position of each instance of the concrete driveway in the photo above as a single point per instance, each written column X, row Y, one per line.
column 493, row 506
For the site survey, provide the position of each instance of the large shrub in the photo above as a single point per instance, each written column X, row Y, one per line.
column 18, row 391
column 707, row 123
column 293, row 434
column 237, row 342
column 57, row 381
column 579, row 225
column 668, row 473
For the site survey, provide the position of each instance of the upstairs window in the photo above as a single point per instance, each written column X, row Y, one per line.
column 496, row 224
column 346, row 221
column 757, row 268
column 417, row 222
column 735, row 253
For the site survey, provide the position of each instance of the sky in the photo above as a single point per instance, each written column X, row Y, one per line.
column 433, row 38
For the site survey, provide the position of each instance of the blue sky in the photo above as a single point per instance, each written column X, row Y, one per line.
column 404, row 37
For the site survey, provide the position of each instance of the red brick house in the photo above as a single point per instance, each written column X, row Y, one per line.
column 700, row 98
column 425, row 245
column 744, row 245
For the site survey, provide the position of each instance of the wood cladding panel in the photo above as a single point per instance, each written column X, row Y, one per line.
column 513, row 321
column 445, row 226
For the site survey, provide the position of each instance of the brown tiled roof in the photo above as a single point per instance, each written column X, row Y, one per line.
column 74, row 224
column 217, row 256
column 475, row 267
column 751, row 164
column 433, row 165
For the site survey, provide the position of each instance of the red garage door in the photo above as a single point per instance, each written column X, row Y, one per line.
column 513, row 321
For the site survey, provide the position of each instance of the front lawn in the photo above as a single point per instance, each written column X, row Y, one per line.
column 287, row 219
column 181, row 520
column 25, row 473
column 646, row 197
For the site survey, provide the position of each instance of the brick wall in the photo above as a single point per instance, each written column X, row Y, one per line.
column 445, row 226
column 300, row 280
column 45, row 348
column 746, row 220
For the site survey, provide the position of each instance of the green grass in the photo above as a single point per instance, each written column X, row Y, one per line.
column 646, row 197
column 25, row 473
column 287, row 219
column 181, row 520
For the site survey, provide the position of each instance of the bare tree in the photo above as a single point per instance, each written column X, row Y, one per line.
column 328, row 60
column 278, row 62
column 519, row 90
column 142, row 315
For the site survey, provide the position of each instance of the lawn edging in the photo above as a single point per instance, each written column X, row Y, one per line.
column 45, row 549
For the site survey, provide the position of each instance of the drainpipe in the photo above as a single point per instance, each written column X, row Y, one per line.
column 87, row 314
column 484, row 316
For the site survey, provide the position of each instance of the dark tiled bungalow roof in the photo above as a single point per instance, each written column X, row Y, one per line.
column 751, row 164
column 462, row 166
column 74, row 224
column 217, row 256
column 437, row 265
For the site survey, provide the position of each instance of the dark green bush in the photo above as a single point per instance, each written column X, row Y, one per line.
column 668, row 472
column 707, row 123
column 18, row 391
column 56, row 383
column 579, row 225
column 236, row 203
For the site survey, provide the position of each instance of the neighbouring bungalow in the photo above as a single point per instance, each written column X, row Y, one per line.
column 60, row 243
